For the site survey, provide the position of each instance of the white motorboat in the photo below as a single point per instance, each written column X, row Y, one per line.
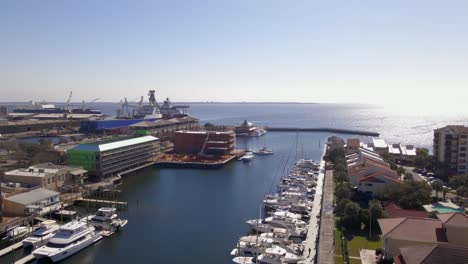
column 244, row 260
column 42, row 235
column 264, row 151
column 287, row 214
column 69, row 239
column 16, row 232
column 248, row 156
column 278, row 255
column 106, row 219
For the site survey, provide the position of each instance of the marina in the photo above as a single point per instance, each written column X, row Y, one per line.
column 276, row 237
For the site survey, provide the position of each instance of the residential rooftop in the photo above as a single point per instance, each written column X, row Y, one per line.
column 435, row 254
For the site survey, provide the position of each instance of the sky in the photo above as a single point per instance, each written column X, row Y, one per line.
column 380, row 52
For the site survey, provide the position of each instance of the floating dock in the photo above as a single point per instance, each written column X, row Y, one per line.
column 11, row 248
column 323, row 129
column 26, row 259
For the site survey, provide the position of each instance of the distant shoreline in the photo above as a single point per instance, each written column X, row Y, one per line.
column 214, row 102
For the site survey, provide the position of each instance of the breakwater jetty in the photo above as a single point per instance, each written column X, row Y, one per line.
column 323, row 129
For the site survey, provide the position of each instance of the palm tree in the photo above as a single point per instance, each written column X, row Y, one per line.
column 437, row 187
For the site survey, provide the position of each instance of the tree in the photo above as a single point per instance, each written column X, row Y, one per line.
column 342, row 191
column 340, row 176
column 375, row 210
column 409, row 195
column 334, row 154
column 422, row 159
column 458, row 180
column 400, row 171
column 462, row 191
column 351, row 218
column 209, row 126
column 437, row 186
column 408, row 177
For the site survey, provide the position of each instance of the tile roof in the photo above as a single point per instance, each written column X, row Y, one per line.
column 394, row 210
column 454, row 218
column 436, row 254
column 413, row 229
column 353, row 142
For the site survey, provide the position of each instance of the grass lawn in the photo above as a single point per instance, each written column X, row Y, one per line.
column 338, row 246
column 358, row 239
column 359, row 242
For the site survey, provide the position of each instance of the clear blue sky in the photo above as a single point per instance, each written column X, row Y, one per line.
column 239, row 50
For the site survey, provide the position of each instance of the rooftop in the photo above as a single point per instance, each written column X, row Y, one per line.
column 32, row 196
column 435, row 254
column 457, row 129
column 394, row 210
column 106, row 145
column 379, row 143
column 454, row 219
column 414, row 229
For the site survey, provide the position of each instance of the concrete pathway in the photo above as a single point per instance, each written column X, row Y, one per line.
column 326, row 247
column 367, row 256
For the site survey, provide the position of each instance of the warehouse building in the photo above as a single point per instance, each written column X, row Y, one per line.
column 29, row 202
column 109, row 157
column 205, row 142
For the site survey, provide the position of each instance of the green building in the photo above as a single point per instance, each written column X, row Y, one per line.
column 109, row 157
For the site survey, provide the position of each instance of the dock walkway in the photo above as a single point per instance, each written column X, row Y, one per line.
column 326, row 244
column 310, row 251
column 103, row 202
column 11, row 248
column 26, row 259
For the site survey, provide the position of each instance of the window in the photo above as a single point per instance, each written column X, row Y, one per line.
column 53, row 179
column 368, row 184
column 48, row 180
column 463, row 136
column 462, row 148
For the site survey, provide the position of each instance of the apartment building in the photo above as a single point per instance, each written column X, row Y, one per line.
column 451, row 148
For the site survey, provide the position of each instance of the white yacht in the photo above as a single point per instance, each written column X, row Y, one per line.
column 248, row 156
column 264, row 151
column 16, row 232
column 106, row 219
column 42, row 235
column 244, row 260
column 277, row 255
column 70, row 239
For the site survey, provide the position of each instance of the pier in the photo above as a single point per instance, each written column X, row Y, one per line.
column 11, row 248
column 117, row 204
column 323, row 129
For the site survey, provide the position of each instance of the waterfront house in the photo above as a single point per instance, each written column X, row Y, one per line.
column 450, row 228
column 29, row 202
